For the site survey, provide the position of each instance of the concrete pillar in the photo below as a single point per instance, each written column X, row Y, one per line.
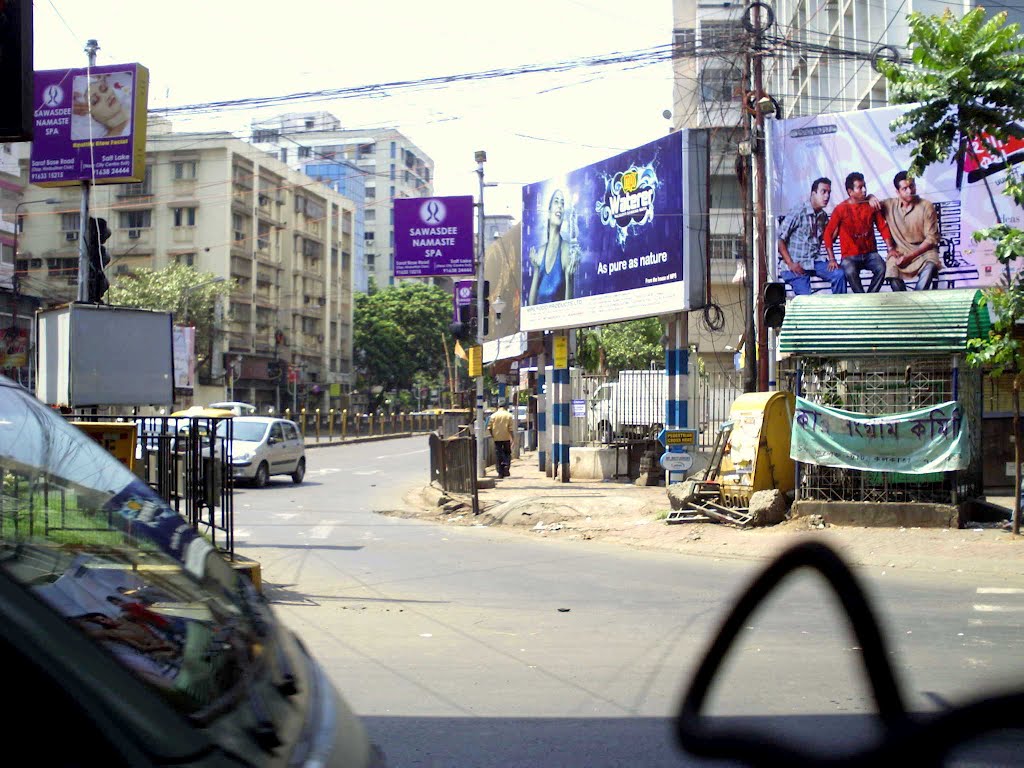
column 542, row 416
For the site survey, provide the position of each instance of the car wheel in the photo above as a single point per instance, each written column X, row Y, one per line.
column 262, row 475
column 300, row 472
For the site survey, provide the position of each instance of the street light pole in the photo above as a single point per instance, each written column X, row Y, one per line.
column 91, row 46
column 481, row 455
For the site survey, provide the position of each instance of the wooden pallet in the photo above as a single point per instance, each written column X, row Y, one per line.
column 708, row 511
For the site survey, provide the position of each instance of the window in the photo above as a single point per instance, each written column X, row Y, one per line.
column 394, row 150
column 265, row 135
column 284, row 154
column 371, row 193
column 725, row 247
column 134, row 221
column 144, row 187
column 721, row 83
column 370, row 215
column 408, row 178
column 685, row 42
column 185, row 169
column 276, row 433
column 304, row 152
column 239, row 227
column 392, row 171
column 721, row 35
column 309, row 123
column 291, row 433
column 391, row 192
column 369, row 236
column 189, row 259
column 184, row 217
column 370, row 258
column 69, row 224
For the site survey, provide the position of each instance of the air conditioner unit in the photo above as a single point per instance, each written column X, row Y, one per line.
column 134, row 234
column 70, row 236
column 322, row 301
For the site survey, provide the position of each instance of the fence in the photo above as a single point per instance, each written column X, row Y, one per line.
column 453, row 464
column 716, row 391
column 186, row 461
column 342, row 424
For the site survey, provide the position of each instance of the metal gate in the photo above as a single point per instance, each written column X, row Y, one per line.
column 716, row 392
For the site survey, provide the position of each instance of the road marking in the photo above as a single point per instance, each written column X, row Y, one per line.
column 1000, row 591
column 323, row 530
column 407, row 453
column 368, row 472
column 324, row 471
column 242, row 533
column 999, row 608
column 286, row 515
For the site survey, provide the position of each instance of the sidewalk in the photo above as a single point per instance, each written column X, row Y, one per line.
column 532, row 504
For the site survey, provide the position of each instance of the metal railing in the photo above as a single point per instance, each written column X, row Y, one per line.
column 453, row 464
column 342, row 424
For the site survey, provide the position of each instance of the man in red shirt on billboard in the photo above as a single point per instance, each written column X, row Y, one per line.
column 855, row 220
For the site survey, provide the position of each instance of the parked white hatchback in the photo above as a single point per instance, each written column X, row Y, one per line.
column 262, row 446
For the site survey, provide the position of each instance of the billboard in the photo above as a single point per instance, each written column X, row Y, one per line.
column 89, row 125
column 832, row 146
column 620, row 239
column 434, row 236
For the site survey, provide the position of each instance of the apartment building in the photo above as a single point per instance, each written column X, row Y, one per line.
column 217, row 203
column 392, row 165
column 818, row 58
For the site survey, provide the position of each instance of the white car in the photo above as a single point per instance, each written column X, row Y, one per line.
column 239, row 409
column 262, row 446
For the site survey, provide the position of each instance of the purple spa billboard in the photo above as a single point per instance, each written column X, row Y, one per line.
column 617, row 240
column 90, row 125
column 434, row 236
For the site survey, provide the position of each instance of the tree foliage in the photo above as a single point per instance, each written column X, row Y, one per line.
column 965, row 80
column 190, row 295
column 631, row 345
column 966, row 84
column 398, row 334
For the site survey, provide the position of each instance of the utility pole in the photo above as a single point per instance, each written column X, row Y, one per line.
column 743, row 178
column 481, row 456
column 760, row 189
column 91, row 46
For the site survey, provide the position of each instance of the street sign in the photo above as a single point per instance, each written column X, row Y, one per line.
column 670, row 437
column 676, row 462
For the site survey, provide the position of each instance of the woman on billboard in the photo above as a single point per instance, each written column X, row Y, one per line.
column 554, row 266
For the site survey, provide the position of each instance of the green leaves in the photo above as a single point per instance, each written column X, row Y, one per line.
column 622, row 346
column 398, row 332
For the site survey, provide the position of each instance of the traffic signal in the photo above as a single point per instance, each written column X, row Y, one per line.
column 487, row 303
column 16, row 81
column 96, row 234
column 774, row 304
column 464, row 329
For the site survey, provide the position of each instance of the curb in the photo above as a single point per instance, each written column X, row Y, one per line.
column 363, row 439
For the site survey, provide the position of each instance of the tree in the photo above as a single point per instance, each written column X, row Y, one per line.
column 631, row 345
column 190, row 295
column 965, row 83
column 398, row 333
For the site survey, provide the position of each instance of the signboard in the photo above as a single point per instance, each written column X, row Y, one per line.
column 560, row 346
column 475, row 361
column 927, row 440
column 434, row 236
column 832, row 146
column 184, row 341
column 676, row 462
column 117, row 437
column 462, row 296
column 579, row 408
column 14, row 347
column 674, row 437
column 90, row 125
column 619, row 239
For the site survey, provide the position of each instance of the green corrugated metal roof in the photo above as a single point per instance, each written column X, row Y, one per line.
column 857, row 324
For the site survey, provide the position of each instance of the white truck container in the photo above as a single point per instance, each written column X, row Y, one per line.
column 632, row 407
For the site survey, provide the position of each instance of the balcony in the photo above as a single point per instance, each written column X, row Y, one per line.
column 241, row 267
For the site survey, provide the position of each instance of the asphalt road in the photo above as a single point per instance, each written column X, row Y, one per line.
column 479, row 647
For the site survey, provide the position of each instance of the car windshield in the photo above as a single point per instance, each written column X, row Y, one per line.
column 246, row 431
column 96, row 544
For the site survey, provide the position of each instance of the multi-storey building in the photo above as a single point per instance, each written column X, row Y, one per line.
column 219, row 204
column 393, row 167
column 817, row 58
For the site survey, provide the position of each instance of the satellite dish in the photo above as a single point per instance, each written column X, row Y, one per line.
column 667, row 114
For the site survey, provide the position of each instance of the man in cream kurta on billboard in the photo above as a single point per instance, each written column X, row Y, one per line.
column 833, row 145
